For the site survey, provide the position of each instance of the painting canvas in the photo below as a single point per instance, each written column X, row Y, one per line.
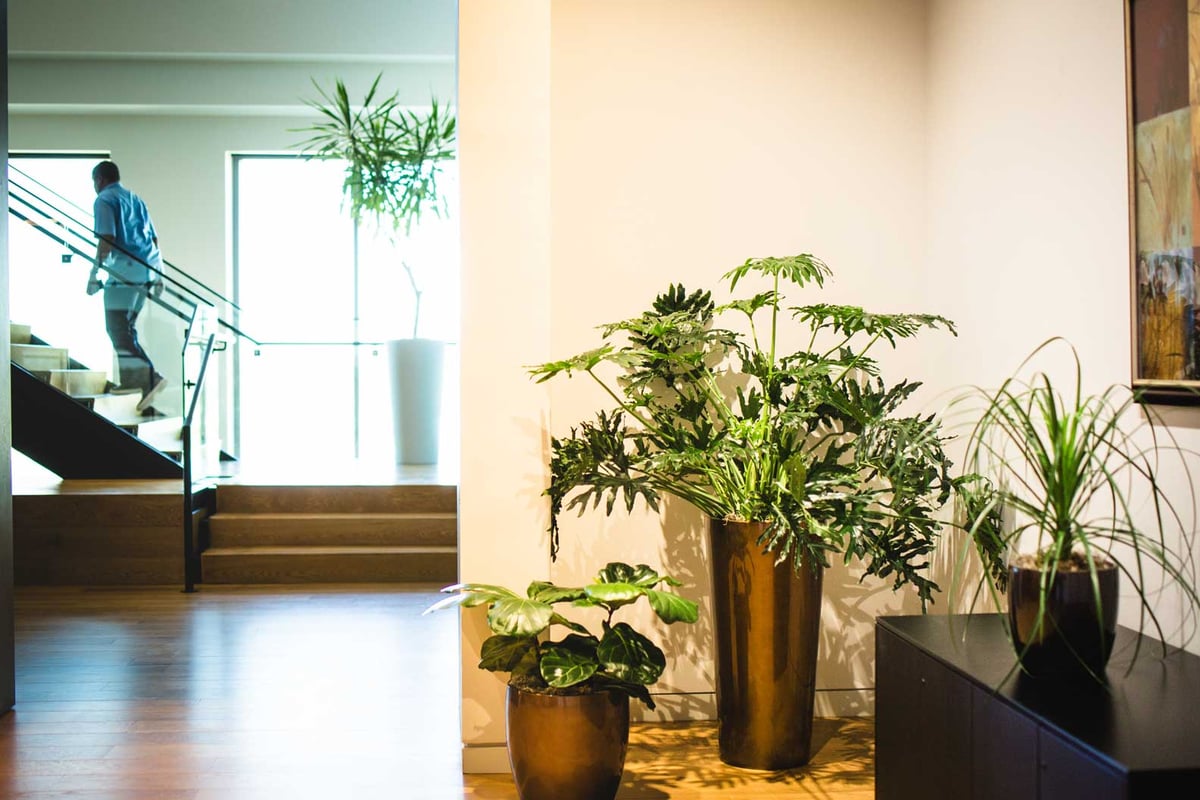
column 1164, row 107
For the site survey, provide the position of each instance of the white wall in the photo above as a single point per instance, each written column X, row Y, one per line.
column 683, row 138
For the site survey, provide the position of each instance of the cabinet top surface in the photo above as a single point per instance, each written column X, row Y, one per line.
column 1146, row 718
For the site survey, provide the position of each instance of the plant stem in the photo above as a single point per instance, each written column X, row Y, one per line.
column 412, row 281
column 626, row 408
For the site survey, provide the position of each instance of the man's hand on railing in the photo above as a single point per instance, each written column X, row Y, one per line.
column 156, row 288
column 94, row 285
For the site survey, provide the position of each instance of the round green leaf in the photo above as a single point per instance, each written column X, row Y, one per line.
column 516, row 616
column 571, row 661
column 629, row 656
column 614, row 594
column 546, row 592
column 671, row 607
column 505, row 653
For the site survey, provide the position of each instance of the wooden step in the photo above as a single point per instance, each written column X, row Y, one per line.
column 115, row 406
column 108, row 534
column 251, row 565
column 238, row 498
column 82, row 382
column 274, row 530
column 19, row 334
column 39, row 357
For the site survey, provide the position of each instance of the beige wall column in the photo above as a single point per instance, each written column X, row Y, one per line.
column 504, row 146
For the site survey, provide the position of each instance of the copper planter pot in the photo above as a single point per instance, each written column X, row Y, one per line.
column 1074, row 640
column 567, row 746
column 767, row 620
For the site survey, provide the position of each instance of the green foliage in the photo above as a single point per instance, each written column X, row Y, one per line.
column 1076, row 476
column 811, row 442
column 394, row 157
column 620, row 659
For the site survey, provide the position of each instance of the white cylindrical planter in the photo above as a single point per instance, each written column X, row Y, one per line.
column 416, row 372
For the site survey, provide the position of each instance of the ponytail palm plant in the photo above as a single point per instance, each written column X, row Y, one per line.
column 810, row 441
column 1074, row 481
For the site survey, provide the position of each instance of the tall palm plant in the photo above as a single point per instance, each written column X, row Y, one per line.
column 394, row 160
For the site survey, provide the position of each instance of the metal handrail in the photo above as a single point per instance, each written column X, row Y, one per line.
column 193, row 298
column 189, row 539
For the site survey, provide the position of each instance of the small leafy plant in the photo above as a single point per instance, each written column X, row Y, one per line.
column 620, row 659
column 1073, row 480
column 811, row 441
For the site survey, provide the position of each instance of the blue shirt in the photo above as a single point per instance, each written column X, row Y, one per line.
column 121, row 215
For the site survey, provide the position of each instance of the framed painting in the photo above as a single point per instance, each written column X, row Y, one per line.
column 1163, row 86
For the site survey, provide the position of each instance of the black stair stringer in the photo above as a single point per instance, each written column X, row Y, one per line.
column 74, row 442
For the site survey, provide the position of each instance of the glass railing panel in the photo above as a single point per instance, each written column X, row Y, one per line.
column 204, row 370
column 296, row 404
column 74, row 221
column 329, row 404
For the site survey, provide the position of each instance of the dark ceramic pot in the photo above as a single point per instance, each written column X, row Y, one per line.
column 1074, row 639
column 567, row 746
column 767, row 619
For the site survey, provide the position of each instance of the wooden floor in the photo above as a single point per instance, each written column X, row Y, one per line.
column 301, row 692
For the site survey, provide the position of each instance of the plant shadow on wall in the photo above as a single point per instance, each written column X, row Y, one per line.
column 795, row 456
column 1069, row 494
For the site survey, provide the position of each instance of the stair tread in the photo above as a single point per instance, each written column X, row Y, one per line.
column 273, row 516
column 328, row 550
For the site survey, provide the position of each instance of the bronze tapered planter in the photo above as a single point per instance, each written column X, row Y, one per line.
column 567, row 746
column 1075, row 638
column 767, row 619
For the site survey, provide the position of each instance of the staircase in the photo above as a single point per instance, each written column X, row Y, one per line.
column 66, row 418
column 332, row 534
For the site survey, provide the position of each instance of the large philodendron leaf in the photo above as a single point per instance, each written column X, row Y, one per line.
column 626, row 655
column 516, row 616
column 671, row 607
column 571, row 661
column 508, row 654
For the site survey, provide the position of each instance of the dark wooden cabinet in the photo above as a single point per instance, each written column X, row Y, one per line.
column 955, row 719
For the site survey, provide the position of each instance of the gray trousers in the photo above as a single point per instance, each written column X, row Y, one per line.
column 122, row 304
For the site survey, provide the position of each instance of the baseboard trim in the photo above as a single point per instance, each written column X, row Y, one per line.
column 480, row 759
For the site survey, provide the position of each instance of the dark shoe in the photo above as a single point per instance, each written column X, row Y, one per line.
column 124, row 389
column 157, row 384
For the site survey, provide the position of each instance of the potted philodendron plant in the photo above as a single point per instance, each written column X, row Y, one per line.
column 394, row 159
column 1064, row 496
column 567, row 717
column 793, row 455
